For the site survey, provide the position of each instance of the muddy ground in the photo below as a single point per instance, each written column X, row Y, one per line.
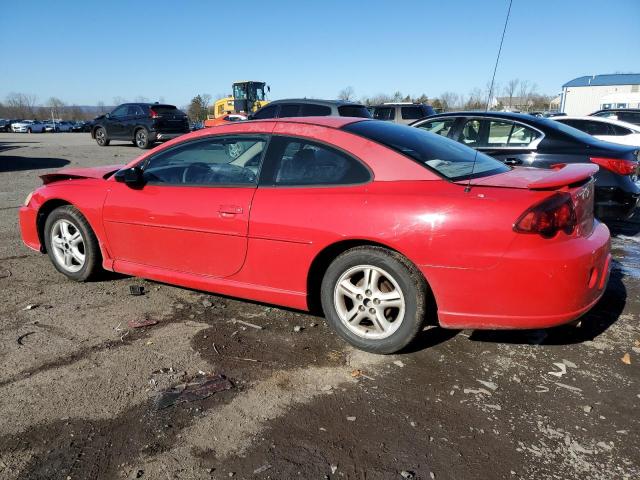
column 77, row 392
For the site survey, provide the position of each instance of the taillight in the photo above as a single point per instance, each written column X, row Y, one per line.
column 616, row 165
column 153, row 113
column 549, row 217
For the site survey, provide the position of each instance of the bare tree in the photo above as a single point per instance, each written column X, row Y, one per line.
column 475, row 101
column 101, row 107
column 119, row 100
column 21, row 105
column 346, row 94
column 510, row 90
column 141, row 99
column 56, row 107
column 450, row 101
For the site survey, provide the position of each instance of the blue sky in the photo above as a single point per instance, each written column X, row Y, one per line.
column 85, row 52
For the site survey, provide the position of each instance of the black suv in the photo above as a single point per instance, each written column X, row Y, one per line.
column 303, row 107
column 140, row 123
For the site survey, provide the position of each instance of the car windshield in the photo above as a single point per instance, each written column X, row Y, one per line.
column 450, row 159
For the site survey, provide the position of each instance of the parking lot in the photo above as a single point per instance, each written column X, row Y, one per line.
column 79, row 385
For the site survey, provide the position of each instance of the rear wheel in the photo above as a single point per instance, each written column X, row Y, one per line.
column 71, row 244
column 374, row 298
column 101, row 137
column 141, row 138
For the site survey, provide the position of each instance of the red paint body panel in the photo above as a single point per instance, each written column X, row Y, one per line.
column 482, row 273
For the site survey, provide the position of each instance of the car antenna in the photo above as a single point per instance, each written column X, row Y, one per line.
column 493, row 78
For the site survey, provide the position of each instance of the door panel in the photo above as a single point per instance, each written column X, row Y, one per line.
column 201, row 230
column 192, row 213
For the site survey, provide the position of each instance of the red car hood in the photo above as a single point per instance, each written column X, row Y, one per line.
column 537, row 178
column 74, row 173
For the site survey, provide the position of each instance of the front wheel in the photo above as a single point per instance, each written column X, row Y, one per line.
column 374, row 298
column 101, row 137
column 71, row 244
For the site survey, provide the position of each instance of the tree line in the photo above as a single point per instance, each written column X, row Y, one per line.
column 516, row 94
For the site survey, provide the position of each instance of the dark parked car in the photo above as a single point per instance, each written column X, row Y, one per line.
column 524, row 140
column 403, row 113
column 629, row 115
column 311, row 108
column 140, row 123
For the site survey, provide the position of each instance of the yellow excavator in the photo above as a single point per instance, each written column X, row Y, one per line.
column 247, row 97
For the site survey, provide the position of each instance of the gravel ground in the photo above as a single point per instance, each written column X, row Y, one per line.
column 78, row 390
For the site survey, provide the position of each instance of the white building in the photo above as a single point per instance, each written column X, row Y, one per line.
column 584, row 95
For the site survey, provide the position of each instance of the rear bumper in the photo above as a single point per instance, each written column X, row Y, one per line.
column 531, row 287
column 614, row 203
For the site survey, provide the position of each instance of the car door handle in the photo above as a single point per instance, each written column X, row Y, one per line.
column 513, row 161
column 229, row 210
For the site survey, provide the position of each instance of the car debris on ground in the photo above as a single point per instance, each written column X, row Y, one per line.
column 202, row 387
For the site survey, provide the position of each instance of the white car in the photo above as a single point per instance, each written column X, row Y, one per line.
column 28, row 126
column 606, row 129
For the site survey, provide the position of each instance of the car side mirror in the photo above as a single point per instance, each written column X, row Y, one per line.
column 108, row 115
column 132, row 176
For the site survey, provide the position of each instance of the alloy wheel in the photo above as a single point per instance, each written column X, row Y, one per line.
column 141, row 138
column 68, row 246
column 369, row 302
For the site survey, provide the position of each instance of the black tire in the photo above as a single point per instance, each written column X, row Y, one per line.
column 92, row 257
column 141, row 138
column 101, row 137
column 409, row 281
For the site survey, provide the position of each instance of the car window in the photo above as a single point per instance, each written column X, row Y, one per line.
column 631, row 117
column 522, row 136
column 412, row 113
column 266, row 112
column 384, row 113
column 299, row 161
column 590, row 127
column 134, row 111
column 354, row 111
column 312, row 110
column 289, row 110
column 233, row 160
column 121, row 111
column 448, row 158
column 619, row 131
column 499, row 134
column 470, row 134
column 440, row 126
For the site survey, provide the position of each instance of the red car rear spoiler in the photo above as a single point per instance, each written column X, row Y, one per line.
column 567, row 175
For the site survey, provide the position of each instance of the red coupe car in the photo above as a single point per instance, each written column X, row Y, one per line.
column 375, row 222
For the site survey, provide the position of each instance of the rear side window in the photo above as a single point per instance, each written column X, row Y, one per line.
column 479, row 133
column 412, row 113
column 384, row 113
column 440, row 126
column 618, row 130
column 450, row 159
column 298, row 162
column 312, row 110
column 266, row 112
column 289, row 110
column 631, row 117
column 354, row 111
